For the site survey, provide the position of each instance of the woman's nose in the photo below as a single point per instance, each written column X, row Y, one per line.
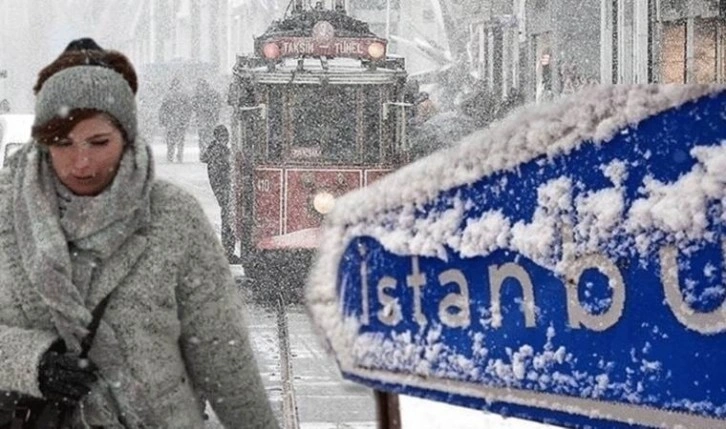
column 81, row 160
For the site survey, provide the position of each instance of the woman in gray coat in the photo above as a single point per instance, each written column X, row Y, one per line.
column 82, row 218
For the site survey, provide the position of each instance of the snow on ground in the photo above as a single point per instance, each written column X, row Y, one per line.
column 191, row 175
column 419, row 413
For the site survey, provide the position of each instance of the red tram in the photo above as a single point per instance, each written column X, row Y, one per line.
column 318, row 112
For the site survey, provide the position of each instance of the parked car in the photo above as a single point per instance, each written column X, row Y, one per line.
column 14, row 132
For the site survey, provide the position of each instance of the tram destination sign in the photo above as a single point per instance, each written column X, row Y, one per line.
column 348, row 47
column 565, row 265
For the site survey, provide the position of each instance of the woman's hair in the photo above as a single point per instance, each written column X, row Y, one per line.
column 57, row 129
column 80, row 52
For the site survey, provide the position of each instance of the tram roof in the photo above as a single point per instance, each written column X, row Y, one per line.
column 339, row 71
column 302, row 23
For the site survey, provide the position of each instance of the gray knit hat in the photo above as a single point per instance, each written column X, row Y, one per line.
column 87, row 87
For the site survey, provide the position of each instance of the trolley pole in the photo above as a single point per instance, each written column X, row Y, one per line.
column 388, row 19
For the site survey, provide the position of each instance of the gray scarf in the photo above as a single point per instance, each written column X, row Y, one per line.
column 99, row 224
column 102, row 225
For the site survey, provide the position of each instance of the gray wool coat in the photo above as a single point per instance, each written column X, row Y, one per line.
column 173, row 308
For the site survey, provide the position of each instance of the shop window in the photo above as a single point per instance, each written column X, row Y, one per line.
column 543, row 70
column 709, row 58
column 709, row 46
column 673, row 53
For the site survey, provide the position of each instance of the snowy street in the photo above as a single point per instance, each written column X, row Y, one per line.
column 324, row 400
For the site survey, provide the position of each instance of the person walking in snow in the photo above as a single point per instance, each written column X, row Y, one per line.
column 174, row 115
column 217, row 158
column 423, row 108
column 118, row 308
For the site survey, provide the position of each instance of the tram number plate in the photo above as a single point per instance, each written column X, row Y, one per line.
column 263, row 185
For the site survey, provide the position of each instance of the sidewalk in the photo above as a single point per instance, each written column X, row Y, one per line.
column 190, row 175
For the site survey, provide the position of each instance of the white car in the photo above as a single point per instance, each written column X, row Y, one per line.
column 14, row 132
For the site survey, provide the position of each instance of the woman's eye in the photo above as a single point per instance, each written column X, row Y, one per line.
column 62, row 142
column 99, row 142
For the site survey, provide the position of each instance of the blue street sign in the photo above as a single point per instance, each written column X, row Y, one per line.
column 566, row 266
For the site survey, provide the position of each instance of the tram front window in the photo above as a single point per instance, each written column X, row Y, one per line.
column 324, row 123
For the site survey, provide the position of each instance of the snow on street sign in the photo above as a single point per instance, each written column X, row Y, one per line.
column 565, row 265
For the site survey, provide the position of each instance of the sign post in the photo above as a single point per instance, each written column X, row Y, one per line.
column 387, row 410
column 564, row 266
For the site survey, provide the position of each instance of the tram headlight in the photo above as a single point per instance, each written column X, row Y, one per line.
column 376, row 50
column 271, row 51
column 323, row 202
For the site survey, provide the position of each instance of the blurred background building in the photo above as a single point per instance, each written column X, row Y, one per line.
column 540, row 48
column 668, row 41
column 550, row 47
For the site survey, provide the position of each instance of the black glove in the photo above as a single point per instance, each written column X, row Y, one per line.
column 65, row 378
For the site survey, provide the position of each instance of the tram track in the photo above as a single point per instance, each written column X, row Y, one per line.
column 291, row 419
column 302, row 381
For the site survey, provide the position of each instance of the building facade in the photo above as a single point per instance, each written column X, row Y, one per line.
column 665, row 41
column 545, row 48
column 494, row 44
column 161, row 31
column 32, row 34
column 539, row 48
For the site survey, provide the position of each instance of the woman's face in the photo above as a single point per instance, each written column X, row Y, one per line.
column 86, row 161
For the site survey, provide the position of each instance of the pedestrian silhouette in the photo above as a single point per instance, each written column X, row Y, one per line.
column 174, row 115
column 217, row 158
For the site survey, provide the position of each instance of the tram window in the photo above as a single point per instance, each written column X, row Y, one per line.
column 306, row 117
column 341, row 105
column 324, row 121
column 371, row 123
column 275, row 123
